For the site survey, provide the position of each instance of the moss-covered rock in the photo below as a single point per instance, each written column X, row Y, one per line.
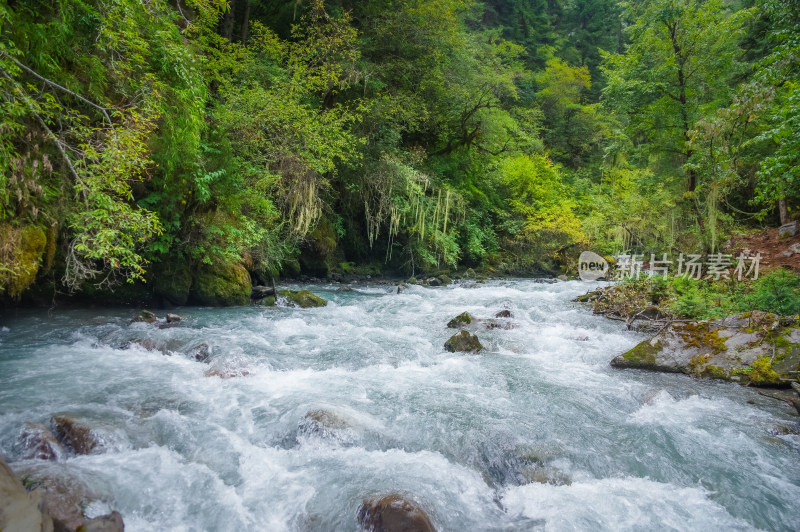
column 302, row 298
column 21, row 252
column 221, row 286
column 755, row 348
column 640, row 357
column 145, row 316
column 463, row 342
column 462, row 320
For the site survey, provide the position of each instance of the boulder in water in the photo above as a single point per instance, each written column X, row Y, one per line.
column 74, row 434
column 19, row 509
column 39, row 443
column 465, row 319
column 393, row 513
column 504, row 314
column 66, row 496
column 344, row 288
column 173, row 318
column 145, row 316
column 302, row 298
column 463, row 342
column 325, row 424
column 201, row 353
column 105, row 523
column 326, row 419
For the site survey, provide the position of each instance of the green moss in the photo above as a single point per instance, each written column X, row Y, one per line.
column 463, row 342
column 698, row 335
column 302, row 298
column 643, row 356
column 714, row 372
column 760, row 373
column 465, row 318
column 21, row 251
column 222, row 286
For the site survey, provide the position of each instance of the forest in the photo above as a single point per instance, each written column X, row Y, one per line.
column 188, row 148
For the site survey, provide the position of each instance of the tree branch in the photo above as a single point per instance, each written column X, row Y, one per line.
column 52, row 83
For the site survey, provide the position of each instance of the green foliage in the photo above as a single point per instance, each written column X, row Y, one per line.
column 777, row 292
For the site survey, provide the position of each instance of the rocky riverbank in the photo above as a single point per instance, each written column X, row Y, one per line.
column 751, row 348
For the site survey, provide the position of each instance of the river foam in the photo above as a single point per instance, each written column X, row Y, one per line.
column 331, row 405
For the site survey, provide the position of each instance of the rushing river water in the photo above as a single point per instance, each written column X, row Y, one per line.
column 537, row 432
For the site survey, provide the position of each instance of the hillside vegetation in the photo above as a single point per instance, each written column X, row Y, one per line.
column 180, row 148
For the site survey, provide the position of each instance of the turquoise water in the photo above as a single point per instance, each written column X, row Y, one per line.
column 535, row 433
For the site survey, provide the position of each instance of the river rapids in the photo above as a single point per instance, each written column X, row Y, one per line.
column 537, row 432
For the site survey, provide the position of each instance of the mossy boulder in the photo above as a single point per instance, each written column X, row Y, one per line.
column 302, row 298
column 463, row 342
column 465, row 319
column 21, row 252
column 754, row 348
column 221, row 286
column 145, row 316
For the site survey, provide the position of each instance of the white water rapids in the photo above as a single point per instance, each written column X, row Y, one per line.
column 537, row 432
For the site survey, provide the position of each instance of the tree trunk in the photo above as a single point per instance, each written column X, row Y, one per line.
column 784, row 212
column 246, row 21
column 230, row 18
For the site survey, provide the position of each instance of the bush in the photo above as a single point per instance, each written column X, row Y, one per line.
column 777, row 292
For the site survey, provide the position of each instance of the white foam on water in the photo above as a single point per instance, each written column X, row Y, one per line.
column 455, row 432
column 618, row 504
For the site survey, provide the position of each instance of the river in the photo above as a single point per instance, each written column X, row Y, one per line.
column 537, row 432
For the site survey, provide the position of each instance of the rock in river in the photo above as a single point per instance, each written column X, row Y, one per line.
column 753, row 347
column 38, row 442
column 302, row 298
column 465, row 319
column 393, row 513
column 74, row 434
column 463, row 342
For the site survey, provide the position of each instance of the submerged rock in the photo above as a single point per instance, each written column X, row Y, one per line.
column 463, row 342
column 38, row 442
column 327, row 425
column 393, row 513
column 302, row 298
column 753, row 348
column 201, row 353
column 74, row 434
column 227, row 373
column 66, row 496
column 145, row 316
column 105, row 523
column 325, row 419
column 504, row 314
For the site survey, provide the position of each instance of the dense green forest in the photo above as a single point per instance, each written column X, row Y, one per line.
column 188, row 145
